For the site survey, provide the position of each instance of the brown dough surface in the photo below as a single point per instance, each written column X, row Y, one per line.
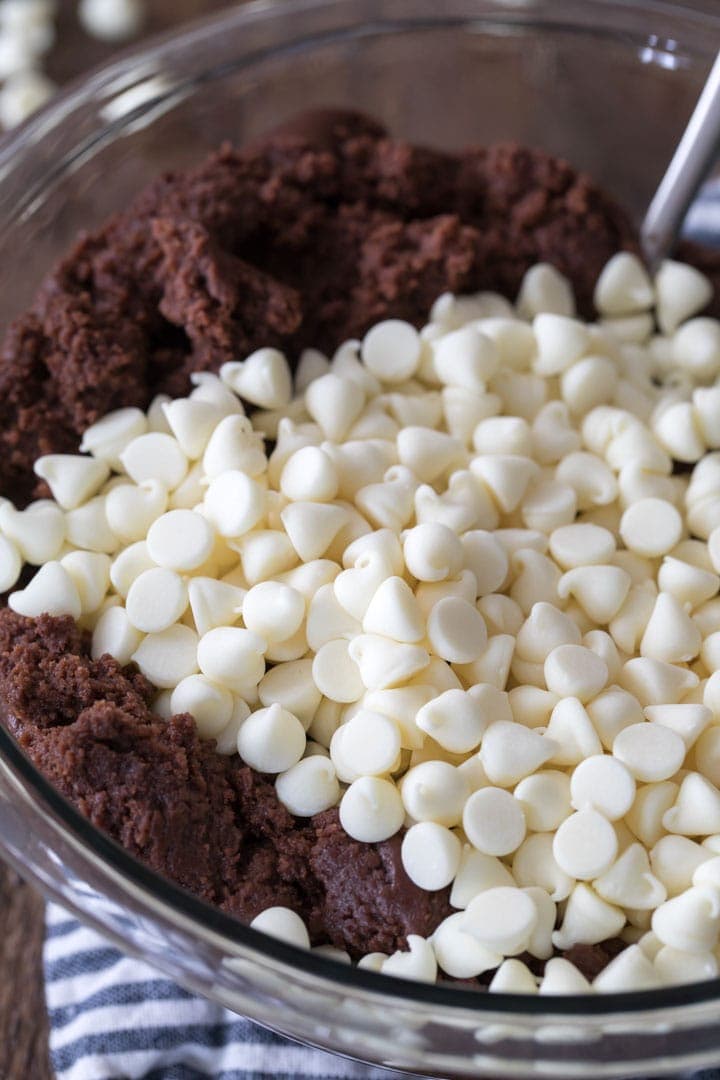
column 304, row 238
column 207, row 821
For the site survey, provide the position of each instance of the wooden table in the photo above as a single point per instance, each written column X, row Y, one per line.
column 23, row 1021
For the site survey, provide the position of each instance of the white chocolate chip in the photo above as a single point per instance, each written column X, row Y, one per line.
column 235, row 503
column 455, row 719
column 601, row 591
column 603, row 783
column 38, row 531
column 263, row 379
column 428, row 453
column 675, row 967
column 335, row 672
column 371, row 809
column 10, row 564
column 675, row 860
column 575, row 671
column 309, row 475
column 312, row 526
column 543, row 289
column 545, row 799
column 169, row 656
column 192, row 422
column 459, row 953
column 115, row 635
column 271, row 740
column 367, row 745
column 456, row 631
column 108, row 437
column 629, row 970
column 585, row 845
column 681, row 292
column 131, row 509
column 677, row 429
column 309, row 787
column 651, row 527
column 507, row 476
column 334, row 403
column 688, row 719
column 88, row 528
column 466, row 359
column 418, row 963
column 384, row 663
column 395, row 613
column 654, row 682
column 503, row 435
column 650, row 751
column 156, row 599
column 535, row 866
column 510, row 752
column 214, row 603
column 502, row 919
column 391, row 350
column 630, row 883
column 210, row 705
column 560, row 340
column 90, row 571
column 51, row 591
column 696, row 348
column 71, row 478
column 513, row 977
column 696, row 811
column 273, row 611
column 282, row 923
column 180, row 540
column 435, row 791
column 588, row 919
column 493, row 821
column 430, row 855
column 232, row 657
column 562, row 977
column 234, row 446
column 689, row 922
column 155, row 456
column 624, row 286
column 592, row 479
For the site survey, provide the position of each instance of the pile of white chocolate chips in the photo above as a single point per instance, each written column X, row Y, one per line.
column 466, row 593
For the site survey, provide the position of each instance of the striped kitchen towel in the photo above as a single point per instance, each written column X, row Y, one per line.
column 113, row 1018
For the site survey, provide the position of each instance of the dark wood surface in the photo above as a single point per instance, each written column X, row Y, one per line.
column 23, row 1020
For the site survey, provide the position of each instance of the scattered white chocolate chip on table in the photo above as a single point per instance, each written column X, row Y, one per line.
column 464, row 593
column 27, row 33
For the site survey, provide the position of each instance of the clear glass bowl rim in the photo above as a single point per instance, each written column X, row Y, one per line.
column 160, row 890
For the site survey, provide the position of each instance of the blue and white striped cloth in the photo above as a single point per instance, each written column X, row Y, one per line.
column 113, row 1018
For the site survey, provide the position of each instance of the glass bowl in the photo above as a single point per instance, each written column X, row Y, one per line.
column 606, row 83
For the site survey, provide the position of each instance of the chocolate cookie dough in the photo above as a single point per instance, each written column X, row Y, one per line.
column 305, row 238
column 208, row 822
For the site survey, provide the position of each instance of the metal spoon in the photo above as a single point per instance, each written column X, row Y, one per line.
column 689, row 166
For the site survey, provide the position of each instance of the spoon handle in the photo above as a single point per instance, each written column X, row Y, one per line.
column 688, row 168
